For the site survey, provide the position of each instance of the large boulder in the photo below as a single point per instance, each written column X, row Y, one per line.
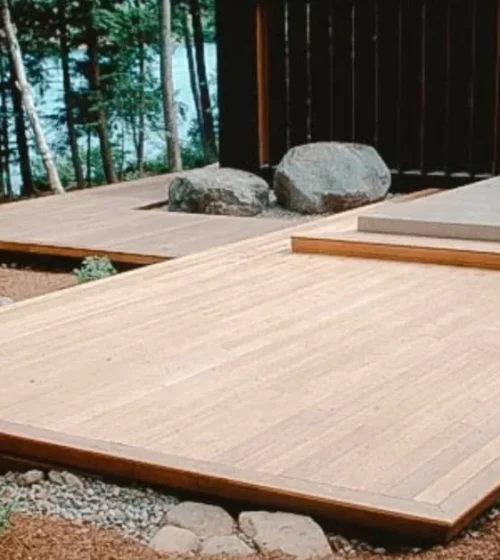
column 224, row 191
column 330, row 177
column 5, row 301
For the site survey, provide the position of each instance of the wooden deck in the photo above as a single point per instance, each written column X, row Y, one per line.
column 471, row 212
column 458, row 228
column 366, row 390
column 109, row 221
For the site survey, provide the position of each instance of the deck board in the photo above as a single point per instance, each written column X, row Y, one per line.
column 109, row 220
column 362, row 389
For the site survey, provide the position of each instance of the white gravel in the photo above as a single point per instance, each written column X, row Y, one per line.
column 134, row 510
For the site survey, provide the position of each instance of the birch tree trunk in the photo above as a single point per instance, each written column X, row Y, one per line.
column 169, row 108
column 5, row 129
column 27, row 99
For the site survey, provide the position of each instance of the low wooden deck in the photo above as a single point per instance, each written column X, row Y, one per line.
column 366, row 390
column 109, row 221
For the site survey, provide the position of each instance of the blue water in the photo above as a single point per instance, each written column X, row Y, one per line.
column 49, row 103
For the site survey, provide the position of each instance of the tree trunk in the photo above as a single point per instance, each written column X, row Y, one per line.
column 68, row 97
column 209, row 143
column 89, row 157
column 141, row 134
column 102, row 121
column 5, row 145
column 193, row 79
column 27, row 187
column 169, row 107
column 27, row 100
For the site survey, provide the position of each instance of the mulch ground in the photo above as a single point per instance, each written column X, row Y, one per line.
column 49, row 538
column 44, row 538
column 20, row 283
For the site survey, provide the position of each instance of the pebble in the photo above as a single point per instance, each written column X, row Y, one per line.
column 30, row 478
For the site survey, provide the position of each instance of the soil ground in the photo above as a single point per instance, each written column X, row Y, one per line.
column 22, row 283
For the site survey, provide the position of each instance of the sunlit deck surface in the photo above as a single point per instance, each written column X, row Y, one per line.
column 363, row 389
column 113, row 221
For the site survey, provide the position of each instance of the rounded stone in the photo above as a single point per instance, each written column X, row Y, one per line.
column 229, row 544
column 295, row 536
column 203, row 520
column 174, row 540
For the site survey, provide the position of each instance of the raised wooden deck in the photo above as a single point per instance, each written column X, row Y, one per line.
column 109, row 221
column 471, row 212
column 459, row 228
column 361, row 389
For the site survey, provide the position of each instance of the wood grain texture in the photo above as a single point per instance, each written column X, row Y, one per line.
column 109, row 221
column 366, row 390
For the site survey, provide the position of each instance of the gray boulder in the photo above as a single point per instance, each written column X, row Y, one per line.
column 5, row 301
column 330, row 177
column 223, row 191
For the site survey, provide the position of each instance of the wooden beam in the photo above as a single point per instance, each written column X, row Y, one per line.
column 26, row 443
column 79, row 252
column 343, row 247
column 262, row 81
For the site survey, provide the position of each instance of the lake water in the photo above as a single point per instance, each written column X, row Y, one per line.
column 49, row 103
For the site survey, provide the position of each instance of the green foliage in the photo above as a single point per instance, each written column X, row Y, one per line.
column 94, row 268
column 5, row 516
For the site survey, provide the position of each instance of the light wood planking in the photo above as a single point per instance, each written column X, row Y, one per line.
column 109, row 221
column 361, row 389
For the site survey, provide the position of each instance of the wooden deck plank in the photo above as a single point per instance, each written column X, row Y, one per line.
column 109, row 220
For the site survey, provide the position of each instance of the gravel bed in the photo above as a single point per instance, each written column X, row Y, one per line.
column 133, row 510
column 139, row 512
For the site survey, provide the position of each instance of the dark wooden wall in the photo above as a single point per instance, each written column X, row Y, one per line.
column 417, row 79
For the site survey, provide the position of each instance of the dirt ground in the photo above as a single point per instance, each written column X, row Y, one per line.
column 19, row 284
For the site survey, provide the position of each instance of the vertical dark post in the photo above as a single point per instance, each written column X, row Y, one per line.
column 238, row 84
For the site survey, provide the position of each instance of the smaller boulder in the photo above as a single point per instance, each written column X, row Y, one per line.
column 174, row 540
column 223, row 191
column 5, row 301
